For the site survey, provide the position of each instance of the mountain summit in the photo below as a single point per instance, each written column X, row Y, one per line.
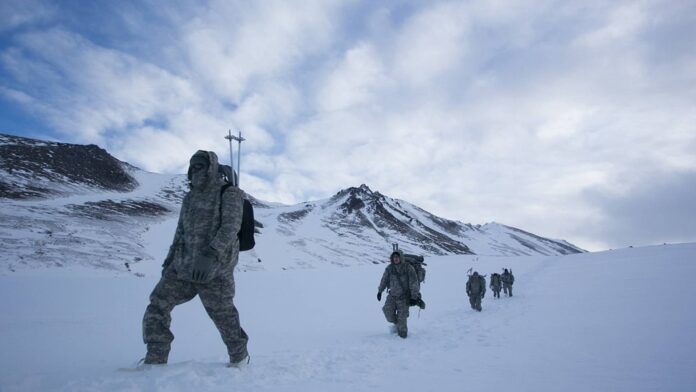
column 358, row 224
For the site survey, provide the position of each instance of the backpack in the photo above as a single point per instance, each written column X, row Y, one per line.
column 246, row 232
column 417, row 264
column 508, row 277
column 475, row 284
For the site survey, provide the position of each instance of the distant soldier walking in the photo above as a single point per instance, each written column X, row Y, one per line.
column 476, row 290
column 496, row 284
column 201, row 262
column 508, row 279
column 401, row 280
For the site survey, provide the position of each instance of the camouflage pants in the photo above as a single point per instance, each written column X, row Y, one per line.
column 396, row 311
column 475, row 301
column 507, row 288
column 496, row 291
column 217, row 297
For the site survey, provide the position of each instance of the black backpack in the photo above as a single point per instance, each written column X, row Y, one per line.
column 246, row 232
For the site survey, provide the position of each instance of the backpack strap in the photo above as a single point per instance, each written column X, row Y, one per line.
column 223, row 188
column 408, row 292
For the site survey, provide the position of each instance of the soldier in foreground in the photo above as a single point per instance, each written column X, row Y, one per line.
column 200, row 261
column 403, row 288
column 508, row 279
column 476, row 290
column 496, row 284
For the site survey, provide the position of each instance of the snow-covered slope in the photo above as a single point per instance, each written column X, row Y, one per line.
column 358, row 225
column 612, row 321
column 76, row 207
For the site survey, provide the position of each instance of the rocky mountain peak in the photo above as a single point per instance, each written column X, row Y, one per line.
column 357, row 198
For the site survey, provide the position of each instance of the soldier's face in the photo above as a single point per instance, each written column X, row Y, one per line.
column 199, row 175
column 395, row 259
column 196, row 167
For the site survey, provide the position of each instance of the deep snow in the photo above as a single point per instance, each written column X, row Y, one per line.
column 619, row 320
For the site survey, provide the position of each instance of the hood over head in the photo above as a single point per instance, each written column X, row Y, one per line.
column 209, row 157
column 399, row 253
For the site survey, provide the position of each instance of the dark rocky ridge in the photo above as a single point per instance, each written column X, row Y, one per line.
column 34, row 168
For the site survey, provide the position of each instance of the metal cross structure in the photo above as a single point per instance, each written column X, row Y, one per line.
column 239, row 139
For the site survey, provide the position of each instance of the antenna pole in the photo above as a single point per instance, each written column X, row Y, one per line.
column 239, row 139
column 229, row 137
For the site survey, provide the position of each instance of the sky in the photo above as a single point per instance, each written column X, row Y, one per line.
column 572, row 120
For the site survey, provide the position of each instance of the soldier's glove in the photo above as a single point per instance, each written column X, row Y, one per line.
column 203, row 265
column 379, row 296
column 413, row 302
column 421, row 303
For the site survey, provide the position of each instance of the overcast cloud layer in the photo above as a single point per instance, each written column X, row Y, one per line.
column 574, row 121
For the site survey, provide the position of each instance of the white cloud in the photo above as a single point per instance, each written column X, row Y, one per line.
column 432, row 43
column 15, row 14
column 353, row 82
column 486, row 110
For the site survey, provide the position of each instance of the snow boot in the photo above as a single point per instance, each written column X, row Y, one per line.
column 240, row 363
column 141, row 366
column 157, row 354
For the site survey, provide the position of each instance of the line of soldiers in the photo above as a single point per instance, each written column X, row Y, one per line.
column 205, row 250
column 402, row 282
column 476, row 286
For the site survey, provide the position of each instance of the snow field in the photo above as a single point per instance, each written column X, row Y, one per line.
column 611, row 321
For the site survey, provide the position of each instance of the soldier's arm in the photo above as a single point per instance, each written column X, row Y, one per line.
column 385, row 281
column 414, row 283
column 178, row 236
column 231, row 216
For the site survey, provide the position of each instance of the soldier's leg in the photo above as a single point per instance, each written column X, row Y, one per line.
column 472, row 301
column 217, row 297
column 478, row 303
column 402, row 317
column 389, row 309
column 168, row 293
column 510, row 289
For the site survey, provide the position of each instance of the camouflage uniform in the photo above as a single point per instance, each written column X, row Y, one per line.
column 206, row 233
column 496, row 285
column 508, row 279
column 403, row 285
column 476, row 290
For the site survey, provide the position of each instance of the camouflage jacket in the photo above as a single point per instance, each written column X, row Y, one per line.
column 208, row 220
column 495, row 282
column 401, row 280
column 481, row 284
